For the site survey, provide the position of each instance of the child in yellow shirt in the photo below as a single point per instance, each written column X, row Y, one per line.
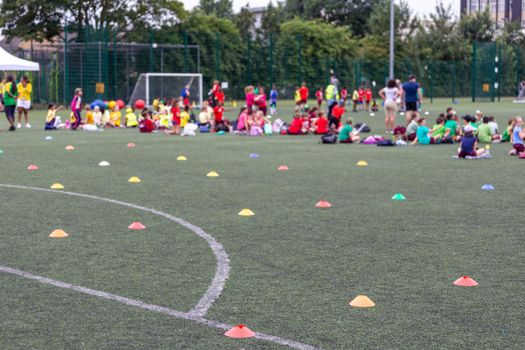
column 184, row 116
column 131, row 119
column 114, row 118
column 90, row 120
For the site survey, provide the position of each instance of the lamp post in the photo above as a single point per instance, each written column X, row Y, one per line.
column 392, row 25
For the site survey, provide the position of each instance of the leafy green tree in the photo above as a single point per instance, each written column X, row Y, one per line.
column 437, row 37
column 39, row 20
column 477, row 27
column 32, row 19
column 245, row 20
column 512, row 34
column 307, row 49
column 220, row 8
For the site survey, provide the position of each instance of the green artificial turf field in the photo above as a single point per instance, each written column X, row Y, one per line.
column 293, row 267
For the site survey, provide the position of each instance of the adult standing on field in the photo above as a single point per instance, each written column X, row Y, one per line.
column 23, row 103
column 412, row 96
column 10, row 96
column 390, row 94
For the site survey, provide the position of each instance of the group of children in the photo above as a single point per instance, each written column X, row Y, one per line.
column 477, row 129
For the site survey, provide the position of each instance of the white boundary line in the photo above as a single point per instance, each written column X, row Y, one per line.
column 223, row 262
column 197, row 312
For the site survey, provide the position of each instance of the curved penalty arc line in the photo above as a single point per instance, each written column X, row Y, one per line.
column 197, row 313
column 223, row 262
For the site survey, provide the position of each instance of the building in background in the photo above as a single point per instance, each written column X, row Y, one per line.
column 501, row 11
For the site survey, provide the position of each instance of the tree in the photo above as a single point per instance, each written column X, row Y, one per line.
column 220, row 8
column 512, row 34
column 271, row 19
column 477, row 27
column 438, row 38
column 39, row 20
column 306, row 48
column 244, row 21
column 33, row 19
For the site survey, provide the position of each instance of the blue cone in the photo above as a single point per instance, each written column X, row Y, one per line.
column 487, row 187
column 254, row 155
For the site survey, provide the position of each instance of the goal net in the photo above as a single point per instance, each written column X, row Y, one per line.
column 165, row 86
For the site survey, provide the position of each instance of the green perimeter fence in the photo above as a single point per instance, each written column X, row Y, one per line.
column 87, row 58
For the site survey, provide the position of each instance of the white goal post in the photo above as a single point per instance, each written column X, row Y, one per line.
column 167, row 85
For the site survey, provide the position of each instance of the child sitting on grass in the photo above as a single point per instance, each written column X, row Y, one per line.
column 131, row 119
column 485, row 132
column 320, row 124
column 412, row 127
column 346, row 135
column 145, row 123
column 505, row 137
column 90, row 120
column 53, row 122
column 114, row 118
column 97, row 116
column 469, row 144
column 451, row 125
column 517, row 137
column 423, row 134
column 439, row 128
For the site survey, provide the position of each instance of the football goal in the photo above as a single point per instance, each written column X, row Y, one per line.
column 167, row 85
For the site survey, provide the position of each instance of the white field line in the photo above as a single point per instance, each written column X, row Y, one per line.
column 197, row 312
column 151, row 307
column 223, row 262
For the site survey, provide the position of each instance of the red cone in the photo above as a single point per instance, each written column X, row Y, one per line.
column 32, row 167
column 283, row 168
column 240, row 331
column 136, row 226
column 465, row 281
column 131, row 145
column 323, row 205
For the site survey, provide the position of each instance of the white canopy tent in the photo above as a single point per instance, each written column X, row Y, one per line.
column 9, row 62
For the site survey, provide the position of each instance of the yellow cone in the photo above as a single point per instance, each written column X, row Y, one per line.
column 134, row 180
column 234, row 104
column 246, row 212
column 57, row 186
column 182, row 158
column 362, row 301
column 362, row 163
column 58, row 234
column 212, row 174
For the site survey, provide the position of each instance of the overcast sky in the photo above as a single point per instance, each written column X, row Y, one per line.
column 419, row 6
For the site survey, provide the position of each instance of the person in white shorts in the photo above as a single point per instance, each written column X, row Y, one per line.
column 390, row 94
column 23, row 103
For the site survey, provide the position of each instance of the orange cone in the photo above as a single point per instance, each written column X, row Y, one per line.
column 131, row 145
column 32, row 167
column 70, row 148
column 362, row 301
column 283, row 168
column 323, row 205
column 240, row 331
column 136, row 226
column 58, row 234
column 465, row 281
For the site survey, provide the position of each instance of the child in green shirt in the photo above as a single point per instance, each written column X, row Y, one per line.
column 346, row 135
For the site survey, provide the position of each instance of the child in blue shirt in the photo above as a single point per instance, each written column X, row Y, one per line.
column 274, row 94
column 423, row 134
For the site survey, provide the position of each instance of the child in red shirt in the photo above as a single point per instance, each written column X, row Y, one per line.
column 219, row 97
column 260, row 101
column 303, row 92
column 368, row 98
column 175, row 117
column 319, row 96
column 321, row 124
column 337, row 113
column 296, row 125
